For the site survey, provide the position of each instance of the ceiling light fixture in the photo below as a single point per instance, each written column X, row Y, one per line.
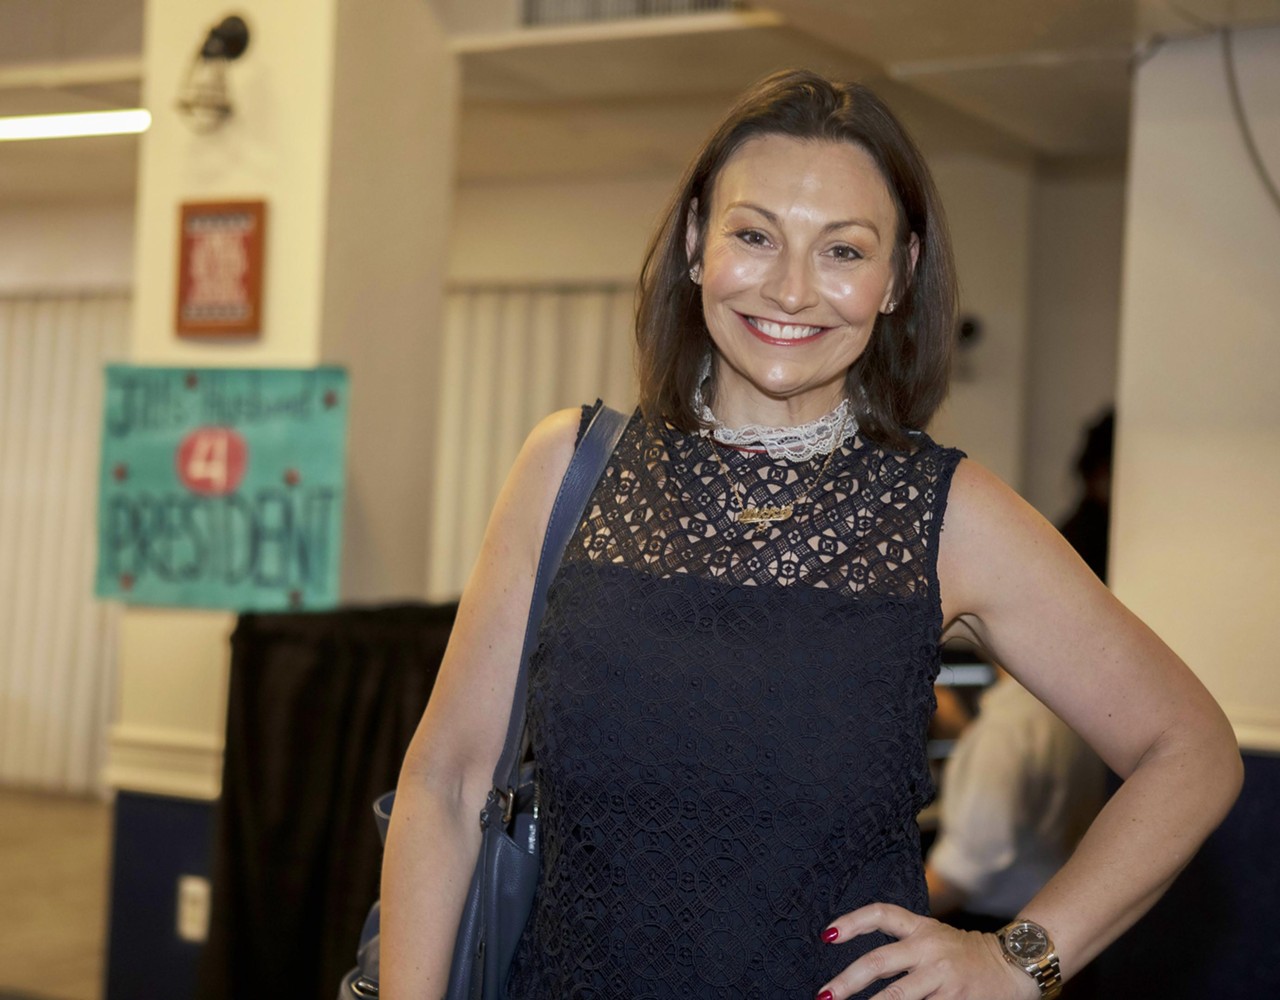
column 75, row 125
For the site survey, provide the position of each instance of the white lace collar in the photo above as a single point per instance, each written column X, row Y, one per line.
column 798, row 444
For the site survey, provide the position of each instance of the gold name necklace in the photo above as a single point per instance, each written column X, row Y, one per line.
column 768, row 515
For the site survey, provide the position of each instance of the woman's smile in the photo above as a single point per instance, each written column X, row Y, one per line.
column 786, row 334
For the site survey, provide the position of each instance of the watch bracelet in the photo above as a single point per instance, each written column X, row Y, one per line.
column 1048, row 976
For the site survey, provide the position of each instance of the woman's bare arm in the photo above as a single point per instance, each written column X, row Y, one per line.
column 434, row 836
column 1032, row 602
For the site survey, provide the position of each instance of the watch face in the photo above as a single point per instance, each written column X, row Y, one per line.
column 1027, row 942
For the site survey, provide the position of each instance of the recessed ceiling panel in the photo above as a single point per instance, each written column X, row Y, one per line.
column 913, row 30
column 93, row 169
column 620, row 139
column 628, row 67
column 43, row 31
column 1072, row 109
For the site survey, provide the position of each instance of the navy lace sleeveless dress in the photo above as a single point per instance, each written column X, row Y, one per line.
column 729, row 720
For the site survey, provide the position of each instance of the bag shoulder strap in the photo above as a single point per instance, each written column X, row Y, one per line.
column 584, row 471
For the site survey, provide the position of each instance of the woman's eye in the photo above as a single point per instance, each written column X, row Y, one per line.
column 845, row 252
column 753, row 237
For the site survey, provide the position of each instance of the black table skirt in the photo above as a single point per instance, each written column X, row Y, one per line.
column 321, row 709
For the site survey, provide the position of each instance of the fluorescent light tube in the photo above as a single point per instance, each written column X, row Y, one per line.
column 70, row 126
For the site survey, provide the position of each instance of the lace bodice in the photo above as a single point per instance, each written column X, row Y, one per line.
column 729, row 721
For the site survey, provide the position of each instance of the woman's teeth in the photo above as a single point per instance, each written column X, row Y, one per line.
column 783, row 331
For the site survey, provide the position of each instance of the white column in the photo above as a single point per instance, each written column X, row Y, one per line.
column 1195, row 533
column 344, row 124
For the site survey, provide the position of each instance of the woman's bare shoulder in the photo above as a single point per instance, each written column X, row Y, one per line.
column 994, row 542
column 554, row 437
column 543, row 460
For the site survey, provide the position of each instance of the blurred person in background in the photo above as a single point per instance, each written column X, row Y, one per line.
column 1088, row 527
column 1019, row 791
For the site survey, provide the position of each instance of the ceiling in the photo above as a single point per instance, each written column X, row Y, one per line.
column 1045, row 78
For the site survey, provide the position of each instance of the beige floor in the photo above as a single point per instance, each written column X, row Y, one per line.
column 54, row 855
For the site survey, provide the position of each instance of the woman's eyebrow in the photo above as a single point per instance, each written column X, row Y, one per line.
column 828, row 228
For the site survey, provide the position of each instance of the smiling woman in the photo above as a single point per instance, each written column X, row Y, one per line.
column 732, row 681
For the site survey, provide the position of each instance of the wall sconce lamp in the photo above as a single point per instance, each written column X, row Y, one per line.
column 204, row 100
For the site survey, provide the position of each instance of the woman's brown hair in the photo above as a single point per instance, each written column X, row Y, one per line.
column 901, row 378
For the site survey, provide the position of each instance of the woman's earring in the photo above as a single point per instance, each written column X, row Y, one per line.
column 890, row 308
column 695, row 274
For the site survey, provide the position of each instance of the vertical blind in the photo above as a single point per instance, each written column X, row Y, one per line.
column 510, row 356
column 57, row 643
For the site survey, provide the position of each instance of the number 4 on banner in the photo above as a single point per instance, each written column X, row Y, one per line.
column 211, row 461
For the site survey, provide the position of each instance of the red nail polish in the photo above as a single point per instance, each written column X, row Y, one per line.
column 830, row 934
column 826, row 995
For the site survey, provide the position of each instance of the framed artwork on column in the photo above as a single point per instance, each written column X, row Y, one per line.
column 220, row 255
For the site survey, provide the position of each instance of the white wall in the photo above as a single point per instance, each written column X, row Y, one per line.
column 66, row 248
column 988, row 204
column 554, row 231
column 1077, row 239
column 390, row 178
column 167, row 732
column 1195, row 537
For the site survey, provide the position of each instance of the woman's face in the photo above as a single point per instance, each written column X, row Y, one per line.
column 796, row 266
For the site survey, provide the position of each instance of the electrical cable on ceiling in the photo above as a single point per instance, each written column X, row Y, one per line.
column 1156, row 42
column 1206, row 27
column 1242, row 120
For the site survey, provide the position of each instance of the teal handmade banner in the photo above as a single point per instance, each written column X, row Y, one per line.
column 222, row 487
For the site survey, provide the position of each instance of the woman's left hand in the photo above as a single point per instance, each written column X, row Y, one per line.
column 940, row 962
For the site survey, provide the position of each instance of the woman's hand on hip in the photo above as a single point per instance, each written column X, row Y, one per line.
column 936, row 962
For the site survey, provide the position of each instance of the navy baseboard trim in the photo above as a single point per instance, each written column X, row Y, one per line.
column 1213, row 935
column 156, row 839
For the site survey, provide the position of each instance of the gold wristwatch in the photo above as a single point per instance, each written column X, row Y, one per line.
column 1028, row 946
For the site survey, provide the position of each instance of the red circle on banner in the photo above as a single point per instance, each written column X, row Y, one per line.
column 211, row 460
